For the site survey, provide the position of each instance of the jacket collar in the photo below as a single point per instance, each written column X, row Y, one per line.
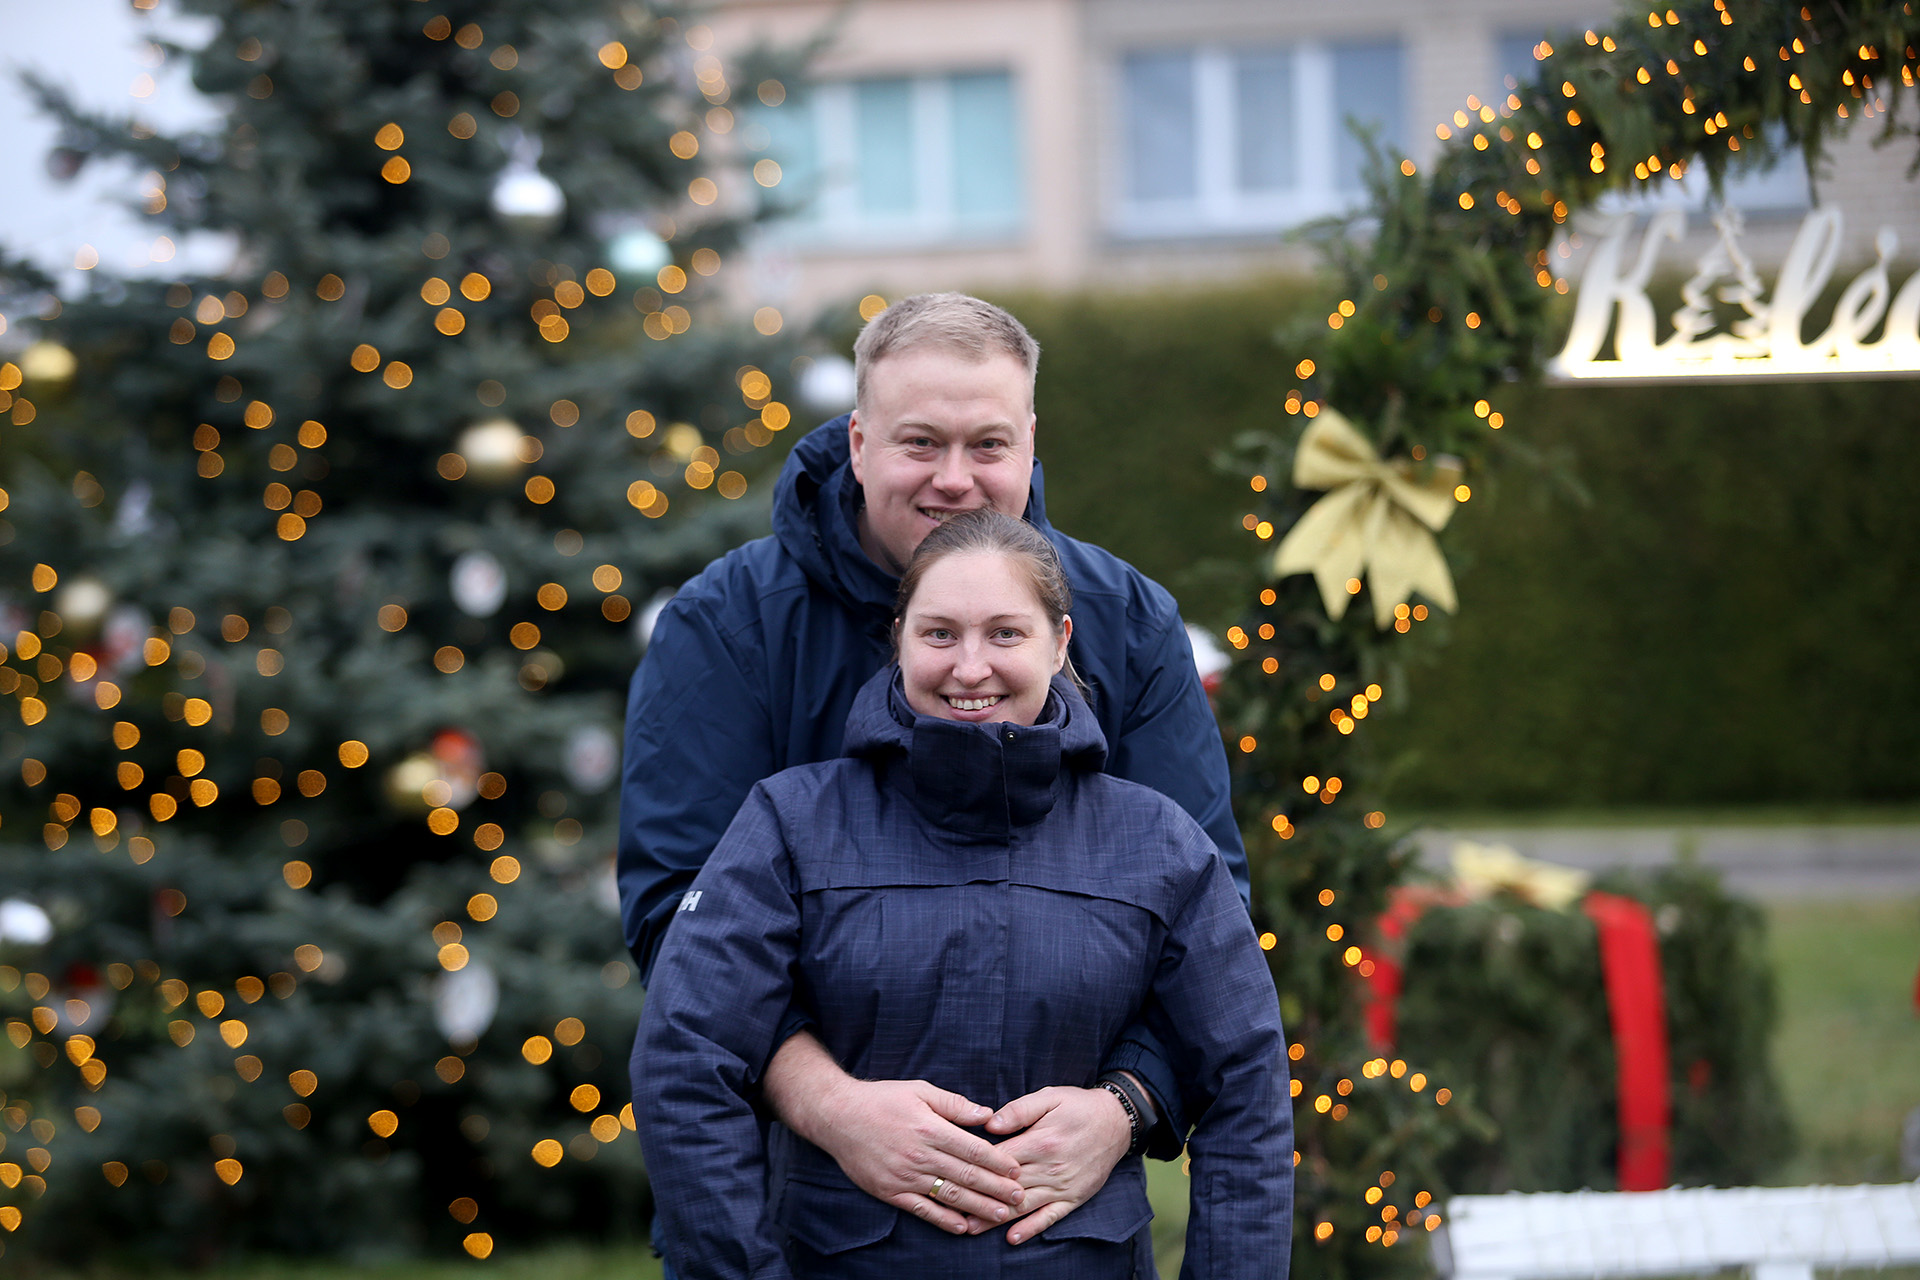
column 975, row 779
column 816, row 517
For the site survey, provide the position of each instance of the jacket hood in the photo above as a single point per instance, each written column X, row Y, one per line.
column 816, row 517
column 975, row 779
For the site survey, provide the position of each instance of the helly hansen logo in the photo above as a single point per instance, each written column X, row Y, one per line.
column 690, row 899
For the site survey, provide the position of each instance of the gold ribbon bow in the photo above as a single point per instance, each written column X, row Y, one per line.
column 1481, row 870
column 1378, row 519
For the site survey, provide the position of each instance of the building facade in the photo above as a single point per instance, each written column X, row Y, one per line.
column 1063, row 144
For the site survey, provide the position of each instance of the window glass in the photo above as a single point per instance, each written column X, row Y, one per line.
column 791, row 140
column 986, row 149
column 1367, row 89
column 1158, row 125
column 1514, row 63
column 883, row 147
column 1264, row 121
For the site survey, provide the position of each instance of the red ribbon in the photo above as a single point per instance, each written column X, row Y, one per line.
column 1636, row 1004
column 1636, row 1007
column 1405, row 905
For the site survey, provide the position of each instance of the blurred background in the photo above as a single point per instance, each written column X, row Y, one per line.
column 369, row 374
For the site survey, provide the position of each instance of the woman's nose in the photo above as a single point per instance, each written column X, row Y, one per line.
column 971, row 665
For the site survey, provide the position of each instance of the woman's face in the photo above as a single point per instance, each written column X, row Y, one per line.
column 975, row 644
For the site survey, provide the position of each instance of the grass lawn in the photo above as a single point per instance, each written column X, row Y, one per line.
column 1848, row 1045
column 557, row 1262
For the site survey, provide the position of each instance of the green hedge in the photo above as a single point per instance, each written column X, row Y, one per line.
column 1727, row 621
column 1730, row 620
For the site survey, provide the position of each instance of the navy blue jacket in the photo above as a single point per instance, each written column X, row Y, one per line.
column 753, row 668
column 976, row 905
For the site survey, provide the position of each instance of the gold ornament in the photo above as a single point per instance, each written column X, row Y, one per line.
column 1379, row 519
column 407, row 782
column 47, row 363
column 493, row 449
column 82, row 604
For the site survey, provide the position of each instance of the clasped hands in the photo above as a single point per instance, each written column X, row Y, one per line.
column 902, row 1141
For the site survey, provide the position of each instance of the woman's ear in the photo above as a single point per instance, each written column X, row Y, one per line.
column 1060, row 647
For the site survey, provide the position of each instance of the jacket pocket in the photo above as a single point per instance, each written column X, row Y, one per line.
column 834, row 1218
column 1117, row 1211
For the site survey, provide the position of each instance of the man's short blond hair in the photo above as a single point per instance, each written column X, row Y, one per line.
column 952, row 322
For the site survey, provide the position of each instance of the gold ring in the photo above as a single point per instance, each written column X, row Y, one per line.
column 937, row 1184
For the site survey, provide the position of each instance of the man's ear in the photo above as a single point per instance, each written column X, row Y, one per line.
column 856, row 438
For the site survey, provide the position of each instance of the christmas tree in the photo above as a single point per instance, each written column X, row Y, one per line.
column 323, row 579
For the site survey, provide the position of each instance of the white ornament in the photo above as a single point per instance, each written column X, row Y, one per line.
column 606, row 888
column 126, row 635
column 1208, row 657
column 479, row 584
column 638, row 252
column 465, row 1000
column 135, row 513
column 523, row 197
column 649, row 614
column 828, row 383
column 24, row 923
column 593, row 755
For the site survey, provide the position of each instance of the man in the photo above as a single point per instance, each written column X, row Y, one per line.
column 753, row 667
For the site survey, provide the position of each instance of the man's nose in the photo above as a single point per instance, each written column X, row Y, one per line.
column 954, row 474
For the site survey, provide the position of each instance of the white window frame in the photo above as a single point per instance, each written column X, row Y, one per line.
column 1218, row 206
column 834, row 216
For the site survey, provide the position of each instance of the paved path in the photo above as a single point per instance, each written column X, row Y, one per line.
column 1840, row 861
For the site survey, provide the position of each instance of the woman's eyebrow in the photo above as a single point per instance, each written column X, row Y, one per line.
column 994, row 620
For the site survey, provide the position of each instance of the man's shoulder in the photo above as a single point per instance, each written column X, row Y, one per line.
column 746, row 583
column 1102, row 578
column 759, row 562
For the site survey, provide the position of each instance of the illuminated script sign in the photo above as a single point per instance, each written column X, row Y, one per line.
column 1873, row 330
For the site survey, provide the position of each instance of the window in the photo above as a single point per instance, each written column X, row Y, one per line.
column 1216, row 139
column 1779, row 187
column 909, row 159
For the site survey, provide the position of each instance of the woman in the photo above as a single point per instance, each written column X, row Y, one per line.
column 963, row 898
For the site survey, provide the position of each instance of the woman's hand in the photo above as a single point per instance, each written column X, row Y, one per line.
column 1067, row 1142
column 899, row 1140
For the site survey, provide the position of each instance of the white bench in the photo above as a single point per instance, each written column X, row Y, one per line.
column 1778, row 1233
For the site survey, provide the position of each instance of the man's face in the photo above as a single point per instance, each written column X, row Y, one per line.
column 939, row 434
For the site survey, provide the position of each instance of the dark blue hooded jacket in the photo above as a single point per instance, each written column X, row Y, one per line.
column 753, row 667
column 976, row 905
